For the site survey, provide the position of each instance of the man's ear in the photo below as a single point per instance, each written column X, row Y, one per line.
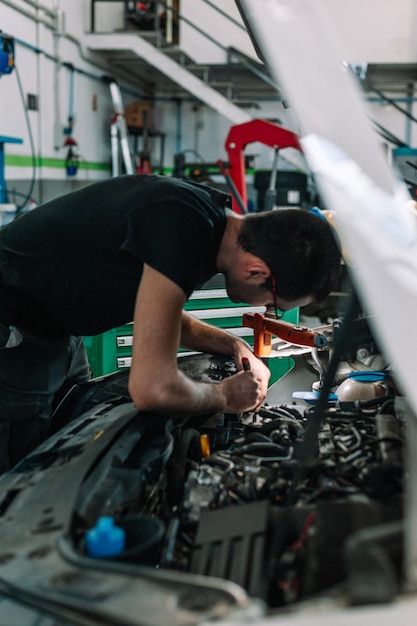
column 256, row 268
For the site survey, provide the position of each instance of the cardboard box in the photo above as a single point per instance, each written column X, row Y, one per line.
column 138, row 114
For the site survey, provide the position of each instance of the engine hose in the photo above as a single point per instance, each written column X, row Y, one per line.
column 187, row 447
column 292, row 424
column 306, row 454
column 262, row 449
column 257, row 437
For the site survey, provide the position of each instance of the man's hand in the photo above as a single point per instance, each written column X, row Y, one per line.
column 261, row 372
column 243, row 392
column 198, row 335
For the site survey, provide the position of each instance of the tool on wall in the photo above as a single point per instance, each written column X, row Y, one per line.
column 119, row 133
column 7, row 65
column 72, row 159
column 6, row 54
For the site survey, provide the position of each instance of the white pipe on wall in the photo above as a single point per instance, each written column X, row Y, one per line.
column 32, row 16
column 36, row 5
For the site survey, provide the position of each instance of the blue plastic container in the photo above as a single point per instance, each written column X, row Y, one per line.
column 105, row 539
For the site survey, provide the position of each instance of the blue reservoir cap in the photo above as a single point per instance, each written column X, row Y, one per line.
column 105, row 539
column 311, row 397
column 316, row 211
column 367, row 376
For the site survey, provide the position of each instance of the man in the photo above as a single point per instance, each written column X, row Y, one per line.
column 135, row 248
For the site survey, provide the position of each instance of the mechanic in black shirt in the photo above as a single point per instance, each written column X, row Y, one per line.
column 134, row 248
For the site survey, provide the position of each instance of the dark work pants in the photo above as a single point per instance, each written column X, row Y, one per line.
column 34, row 373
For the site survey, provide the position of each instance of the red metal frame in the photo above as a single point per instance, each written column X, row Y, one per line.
column 240, row 136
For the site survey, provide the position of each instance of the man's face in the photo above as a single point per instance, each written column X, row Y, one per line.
column 248, row 292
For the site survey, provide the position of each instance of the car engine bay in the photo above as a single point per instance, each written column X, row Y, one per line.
column 301, row 500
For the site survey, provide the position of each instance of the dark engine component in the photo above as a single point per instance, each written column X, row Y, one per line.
column 229, row 500
column 239, row 518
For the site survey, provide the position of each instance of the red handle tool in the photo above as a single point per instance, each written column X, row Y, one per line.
column 245, row 364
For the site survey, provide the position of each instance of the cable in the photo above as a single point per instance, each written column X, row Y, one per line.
column 307, row 450
column 28, row 196
column 23, row 195
column 197, row 154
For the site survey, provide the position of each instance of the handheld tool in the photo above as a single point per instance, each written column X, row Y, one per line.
column 264, row 327
column 245, row 364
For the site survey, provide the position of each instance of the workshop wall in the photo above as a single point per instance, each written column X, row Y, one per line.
column 375, row 31
column 69, row 100
column 53, row 73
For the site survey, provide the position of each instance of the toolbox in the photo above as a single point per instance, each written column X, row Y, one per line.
column 138, row 114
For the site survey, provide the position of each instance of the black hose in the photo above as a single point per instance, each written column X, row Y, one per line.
column 306, row 453
column 187, row 447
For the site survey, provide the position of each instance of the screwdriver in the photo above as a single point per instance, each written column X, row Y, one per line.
column 246, row 368
column 245, row 363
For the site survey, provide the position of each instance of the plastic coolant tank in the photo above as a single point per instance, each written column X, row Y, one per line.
column 362, row 385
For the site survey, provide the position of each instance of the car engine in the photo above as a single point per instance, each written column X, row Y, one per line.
column 298, row 501
column 258, row 499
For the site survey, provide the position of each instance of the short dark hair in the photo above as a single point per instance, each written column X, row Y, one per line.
column 299, row 247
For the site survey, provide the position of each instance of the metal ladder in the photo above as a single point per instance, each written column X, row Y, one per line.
column 120, row 145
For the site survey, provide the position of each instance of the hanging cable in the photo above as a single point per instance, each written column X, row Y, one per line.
column 28, row 196
column 307, row 451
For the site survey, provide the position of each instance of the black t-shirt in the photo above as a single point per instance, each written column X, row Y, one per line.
column 73, row 265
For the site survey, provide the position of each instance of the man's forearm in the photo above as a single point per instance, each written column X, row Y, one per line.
column 202, row 337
